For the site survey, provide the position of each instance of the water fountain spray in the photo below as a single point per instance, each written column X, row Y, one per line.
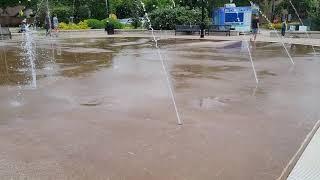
column 29, row 50
column 48, row 14
column 173, row 3
column 163, row 64
column 315, row 53
column 37, row 14
column 281, row 38
column 249, row 52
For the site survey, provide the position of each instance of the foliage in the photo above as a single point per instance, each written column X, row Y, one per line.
column 314, row 13
column 113, row 16
column 84, row 9
column 125, row 8
column 306, row 9
column 83, row 24
column 73, row 26
column 96, row 9
column 277, row 26
column 128, row 26
column 95, row 24
column 62, row 12
column 82, row 12
column 151, row 5
column 4, row 3
column 65, row 26
column 167, row 18
column 136, row 23
column 116, row 23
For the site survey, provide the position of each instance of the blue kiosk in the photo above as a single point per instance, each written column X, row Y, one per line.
column 238, row 17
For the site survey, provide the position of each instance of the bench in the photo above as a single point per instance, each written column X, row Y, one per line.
column 187, row 29
column 219, row 28
column 5, row 32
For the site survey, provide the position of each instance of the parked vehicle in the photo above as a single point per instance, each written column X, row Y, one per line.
column 126, row 21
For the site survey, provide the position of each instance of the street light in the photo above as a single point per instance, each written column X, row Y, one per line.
column 107, row 7
column 273, row 10
column 202, row 20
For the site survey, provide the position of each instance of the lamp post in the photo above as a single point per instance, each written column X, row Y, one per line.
column 202, row 20
column 273, row 10
column 108, row 7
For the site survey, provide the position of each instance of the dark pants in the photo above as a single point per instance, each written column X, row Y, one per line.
column 48, row 31
column 283, row 32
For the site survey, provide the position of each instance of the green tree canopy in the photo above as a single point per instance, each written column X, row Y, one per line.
column 84, row 9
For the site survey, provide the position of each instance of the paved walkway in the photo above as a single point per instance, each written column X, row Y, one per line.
column 308, row 166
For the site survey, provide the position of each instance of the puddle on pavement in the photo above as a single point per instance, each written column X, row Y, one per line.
column 94, row 102
column 211, row 103
column 89, row 55
column 266, row 73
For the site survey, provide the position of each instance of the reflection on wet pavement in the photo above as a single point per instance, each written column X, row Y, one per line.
column 199, row 71
column 212, row 102
column 102, row 110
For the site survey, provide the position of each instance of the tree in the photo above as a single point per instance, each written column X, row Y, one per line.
column 167, row 18
column 314, row 13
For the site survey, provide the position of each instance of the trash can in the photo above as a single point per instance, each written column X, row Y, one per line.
column 109, row 28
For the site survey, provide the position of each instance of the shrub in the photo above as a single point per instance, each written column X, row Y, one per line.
column 315, row 19
column 313, row 8
column 95, row 24
column 63, row 12
column 167, row 18
column 113, row 16
column 128, row 26
column 315, row 23
column 73, row 26
column 63, row 26
column 275, row 26
column 116, row 23
column 136, row 23
column 83, row 24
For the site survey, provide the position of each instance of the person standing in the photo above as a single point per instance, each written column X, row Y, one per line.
column 55, row 23
column 283, row 28
column 47, row 25
column 255, row 25
column 23, row 27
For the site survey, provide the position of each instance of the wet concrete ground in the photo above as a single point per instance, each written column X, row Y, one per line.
column 102, row 110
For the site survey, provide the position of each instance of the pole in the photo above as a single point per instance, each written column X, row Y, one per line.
column 107, row 7
column 273, row 10
column 202, row 20
column 49, row 16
